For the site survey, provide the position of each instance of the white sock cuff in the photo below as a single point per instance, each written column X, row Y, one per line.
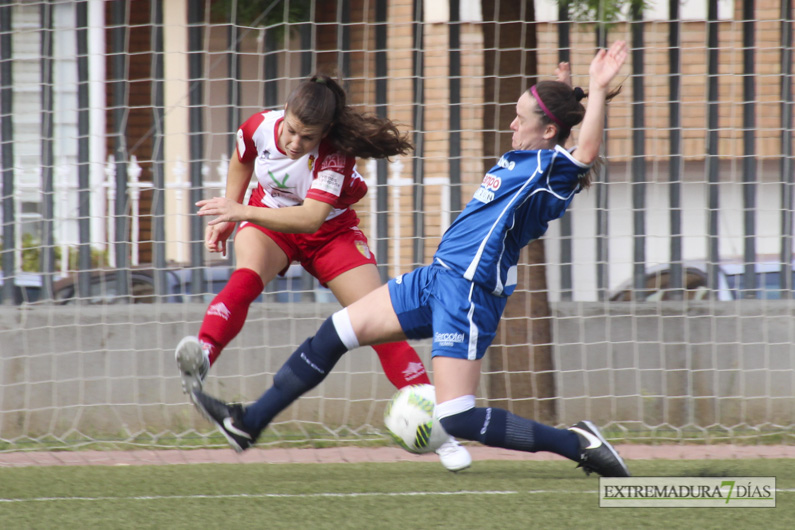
column 342, row 323
column 455, row 406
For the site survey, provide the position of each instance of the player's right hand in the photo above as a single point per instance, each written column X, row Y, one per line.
column 215, row 236
column 563, row 73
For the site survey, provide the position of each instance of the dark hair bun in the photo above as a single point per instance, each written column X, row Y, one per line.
column 578, row 93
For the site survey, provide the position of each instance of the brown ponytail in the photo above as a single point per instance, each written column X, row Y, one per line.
column 562, row 102
column 321, row 101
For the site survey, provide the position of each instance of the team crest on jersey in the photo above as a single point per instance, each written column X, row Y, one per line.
column 363, row 248
column 333, row 161
column 311, row 162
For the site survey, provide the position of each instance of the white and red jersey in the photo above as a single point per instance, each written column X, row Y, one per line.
column 322, row 174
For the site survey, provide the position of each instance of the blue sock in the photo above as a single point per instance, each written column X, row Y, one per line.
column 500, row 428
column 303, row 371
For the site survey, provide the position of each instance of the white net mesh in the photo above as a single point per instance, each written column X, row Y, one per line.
column 623, row 347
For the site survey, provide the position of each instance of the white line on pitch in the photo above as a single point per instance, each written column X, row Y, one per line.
column 307, row 495
column 263, row 496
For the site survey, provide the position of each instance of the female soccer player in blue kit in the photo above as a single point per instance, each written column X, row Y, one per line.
column 458, row 299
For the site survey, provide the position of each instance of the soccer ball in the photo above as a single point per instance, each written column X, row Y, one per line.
column 410, row 420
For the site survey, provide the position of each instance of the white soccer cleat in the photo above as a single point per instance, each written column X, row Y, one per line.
column 454, row 456
column 193, row 362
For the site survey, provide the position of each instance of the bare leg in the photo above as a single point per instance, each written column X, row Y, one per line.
column 455, row 377
column 401, row 364
column 256, row 251
column 374, row 320
column 259, row 259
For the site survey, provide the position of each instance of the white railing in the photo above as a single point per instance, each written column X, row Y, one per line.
column 396, row 182
column 178, row 181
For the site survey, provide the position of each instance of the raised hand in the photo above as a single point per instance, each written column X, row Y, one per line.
column 563, row 73
column 606, row 64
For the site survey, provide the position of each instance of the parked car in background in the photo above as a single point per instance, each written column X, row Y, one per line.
column 104, row 287
column 730, row 283
column 27, row 288
column 767, row 275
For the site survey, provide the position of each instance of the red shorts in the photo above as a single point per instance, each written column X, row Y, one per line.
column 337, row 247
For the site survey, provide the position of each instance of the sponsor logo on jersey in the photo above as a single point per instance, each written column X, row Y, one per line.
column 503, row 162
column 328, row 181
column 286, row 195
column 363, row 249
column 413, row 371
column 447, row 339
column 491, row 182
column 399, row 279
column 281, row 185
column 219, row 310
column 484, row 195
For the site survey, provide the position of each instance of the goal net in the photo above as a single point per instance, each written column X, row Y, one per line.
column 660, row 307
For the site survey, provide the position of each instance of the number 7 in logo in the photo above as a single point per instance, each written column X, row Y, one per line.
column 729, row 483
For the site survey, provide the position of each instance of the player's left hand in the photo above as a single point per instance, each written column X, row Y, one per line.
column 225, row 210
column 607, row 63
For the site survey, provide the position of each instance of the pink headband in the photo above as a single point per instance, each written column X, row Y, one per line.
column 546, row 110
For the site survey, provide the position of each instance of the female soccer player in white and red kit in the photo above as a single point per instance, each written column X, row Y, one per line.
column 304, row 160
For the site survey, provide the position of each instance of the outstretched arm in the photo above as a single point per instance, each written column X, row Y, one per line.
column 229, row 210
column 304, row 219
column 604, row 68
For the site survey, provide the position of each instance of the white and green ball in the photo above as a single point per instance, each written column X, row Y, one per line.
column 410, row 420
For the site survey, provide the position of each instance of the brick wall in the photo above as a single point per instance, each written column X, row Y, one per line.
column 694, row 85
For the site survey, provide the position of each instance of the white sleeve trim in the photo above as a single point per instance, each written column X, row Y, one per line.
column 567, row 154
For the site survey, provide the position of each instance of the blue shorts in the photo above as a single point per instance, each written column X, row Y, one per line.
column 460, row 316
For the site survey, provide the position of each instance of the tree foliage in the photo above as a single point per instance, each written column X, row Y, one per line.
column 261, row 12
column 31, row 255
column 603, row 11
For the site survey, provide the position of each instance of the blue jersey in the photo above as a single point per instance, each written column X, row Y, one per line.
column 513, row 206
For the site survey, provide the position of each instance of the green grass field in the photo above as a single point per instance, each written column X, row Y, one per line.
column 492, row 494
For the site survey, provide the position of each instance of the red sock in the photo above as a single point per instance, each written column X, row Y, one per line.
column 402, row 365
column 227, row 313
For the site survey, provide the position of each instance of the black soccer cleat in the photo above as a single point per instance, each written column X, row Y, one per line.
column 228, row 419
column 596, row 453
